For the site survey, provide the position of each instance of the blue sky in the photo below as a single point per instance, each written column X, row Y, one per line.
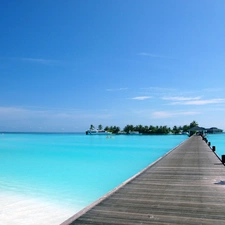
column 67, row 64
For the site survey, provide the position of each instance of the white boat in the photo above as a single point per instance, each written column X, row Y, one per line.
column 98, row 132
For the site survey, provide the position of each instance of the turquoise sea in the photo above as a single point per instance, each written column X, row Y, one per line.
column 217, row 140
column 46, row 178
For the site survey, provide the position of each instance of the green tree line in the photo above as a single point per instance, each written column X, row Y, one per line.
column 148, row 129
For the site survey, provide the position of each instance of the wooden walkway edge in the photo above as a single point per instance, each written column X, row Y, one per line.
column 186, row 186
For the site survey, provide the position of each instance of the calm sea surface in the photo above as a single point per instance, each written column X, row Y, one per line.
column 46, row 176
column 217, row 140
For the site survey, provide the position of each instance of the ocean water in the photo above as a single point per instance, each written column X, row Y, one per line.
column 217, row 140
column 46, row 178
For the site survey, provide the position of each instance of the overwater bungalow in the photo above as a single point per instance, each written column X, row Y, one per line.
column 197, row 130
column 203, row 131
column 214, row 130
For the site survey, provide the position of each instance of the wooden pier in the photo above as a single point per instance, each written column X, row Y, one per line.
column 186, row 186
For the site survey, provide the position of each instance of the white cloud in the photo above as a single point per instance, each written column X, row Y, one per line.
column 165, row 114
column 213, row 89
column 10, row 110
column 161, row 114
column 180, row 98
column 200, row 102
column 116, row 89
column 159, row 88
column 42, row 61
column 151, row 55
column 141, row 98
column 19, row 112
column 159, row 91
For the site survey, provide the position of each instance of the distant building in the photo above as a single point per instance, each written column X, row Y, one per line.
column 197, row 130
column 213, row 130
column 202, row 130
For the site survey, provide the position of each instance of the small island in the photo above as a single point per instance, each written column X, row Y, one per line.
column 153, row 130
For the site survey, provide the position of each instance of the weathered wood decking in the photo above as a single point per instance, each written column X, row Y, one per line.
column 187, row 186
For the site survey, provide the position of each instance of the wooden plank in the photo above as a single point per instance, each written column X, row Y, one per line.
column 184, row 187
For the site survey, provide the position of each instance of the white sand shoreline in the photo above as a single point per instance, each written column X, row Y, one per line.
column 18, row 209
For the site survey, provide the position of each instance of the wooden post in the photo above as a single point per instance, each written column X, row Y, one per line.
column 213, row 148
column 209, row 143
column 223, row 159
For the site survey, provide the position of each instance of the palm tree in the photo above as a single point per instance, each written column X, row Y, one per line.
column 92, row 127
column 175, row 129
column 106, row 128
column 151, row 129
column 185, row 128
column 193, row 124
column 128, row 128
column 100, row 127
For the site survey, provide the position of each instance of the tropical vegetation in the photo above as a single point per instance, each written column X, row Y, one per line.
column 148, row 129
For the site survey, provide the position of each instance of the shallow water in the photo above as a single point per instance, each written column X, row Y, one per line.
column 52, row 176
